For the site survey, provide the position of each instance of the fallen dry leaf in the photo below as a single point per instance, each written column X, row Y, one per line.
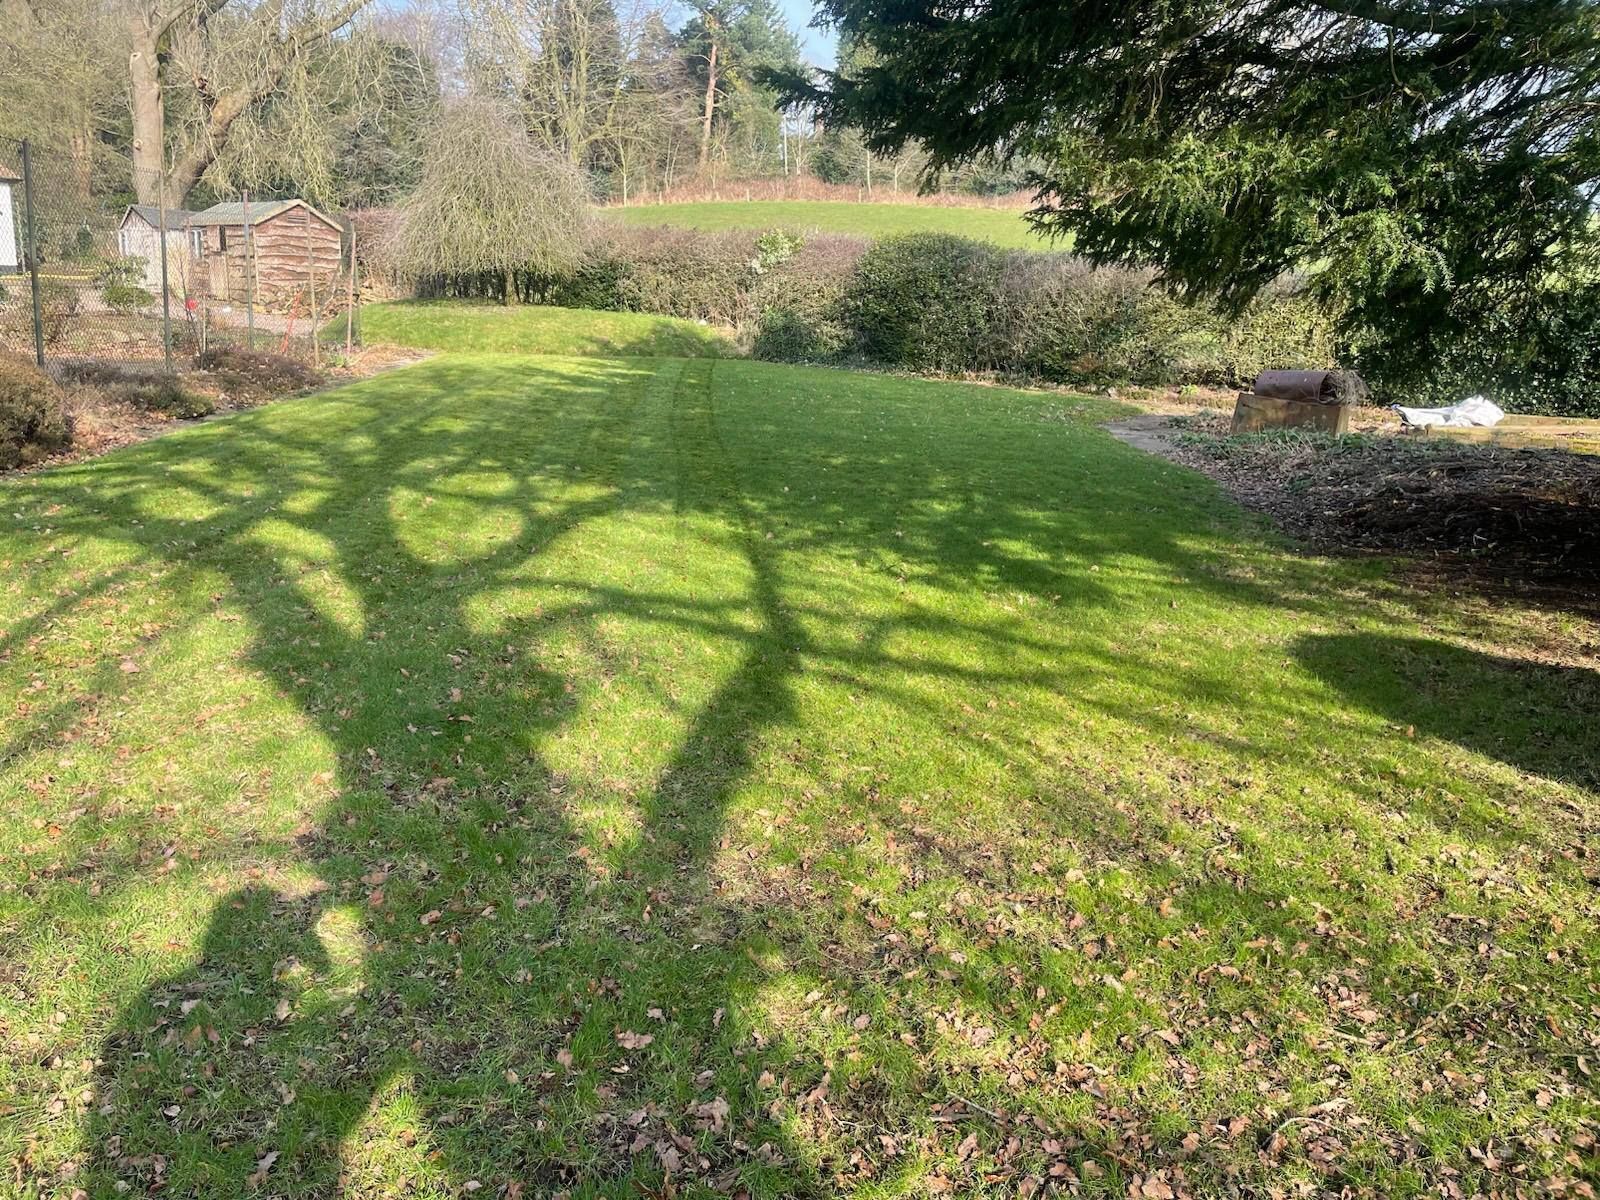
column 263, row 1164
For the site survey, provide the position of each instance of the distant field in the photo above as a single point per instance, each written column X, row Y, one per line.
column 1003, row 228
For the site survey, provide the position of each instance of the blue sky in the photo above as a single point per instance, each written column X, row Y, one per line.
column 817, row 45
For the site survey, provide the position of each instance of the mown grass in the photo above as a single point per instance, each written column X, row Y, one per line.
column 535, row 329
column 1001, row 227
column 559, row 775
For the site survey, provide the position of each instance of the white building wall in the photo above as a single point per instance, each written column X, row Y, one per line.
column 137, row 238
column 10, row 231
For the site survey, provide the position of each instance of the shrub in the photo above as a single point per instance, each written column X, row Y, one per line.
column 945, row 304
column 33, row 417
column 785, row 335
column 1550, row 366
column 934, row 302
column 159, row 392
column 686, row 273
column 1065, row 321
column 1282, row 329
column 926, row 301
column 122, row 284
column 126, row 299
column 776, row 247
column 595, row 283
column 146, row 388
column 1563, row 377
column 800, row 302
column 255, row 375
column 674, row 272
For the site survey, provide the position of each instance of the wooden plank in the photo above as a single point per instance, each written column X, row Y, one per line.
column 1580, row 440
column 1585, row 424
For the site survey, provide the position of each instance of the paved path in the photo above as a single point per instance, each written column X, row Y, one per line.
column 1150, row 433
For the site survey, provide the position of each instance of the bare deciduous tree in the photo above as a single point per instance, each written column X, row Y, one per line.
column 489, row 201
column 58, row 59
column 228, row 56
column 599, row 82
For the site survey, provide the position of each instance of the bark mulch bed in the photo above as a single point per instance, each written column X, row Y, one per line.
column 103, row 419
column 1490, row 509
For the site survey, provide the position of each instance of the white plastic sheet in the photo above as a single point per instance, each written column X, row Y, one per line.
column 1473, row 411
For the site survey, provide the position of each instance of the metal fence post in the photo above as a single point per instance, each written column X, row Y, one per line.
column 350, row 298
column 166, row 291
column 33, row 253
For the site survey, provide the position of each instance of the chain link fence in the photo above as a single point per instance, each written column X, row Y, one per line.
column 99, row 265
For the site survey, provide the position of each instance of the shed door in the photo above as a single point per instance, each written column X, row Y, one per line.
column 217, row 266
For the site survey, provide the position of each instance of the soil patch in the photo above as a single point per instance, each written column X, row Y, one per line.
column 110, row 408
column 1487, row 509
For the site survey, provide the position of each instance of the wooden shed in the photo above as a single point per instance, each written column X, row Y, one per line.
column 139, row 236
column 291, row 248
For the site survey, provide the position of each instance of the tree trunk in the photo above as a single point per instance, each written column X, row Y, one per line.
column 151, row 30
column 711, row 105
column 83, row 163
column 510, row 296
column 191, row 163
column 149, row 111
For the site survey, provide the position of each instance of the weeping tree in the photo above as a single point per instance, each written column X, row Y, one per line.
column 1430, row 164
column 489, row 203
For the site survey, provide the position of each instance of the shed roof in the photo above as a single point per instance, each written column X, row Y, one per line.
column 7, row 175
column 232, row 213
column 177, row 218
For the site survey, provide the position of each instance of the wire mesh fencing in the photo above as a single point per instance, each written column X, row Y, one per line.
column 101, row 265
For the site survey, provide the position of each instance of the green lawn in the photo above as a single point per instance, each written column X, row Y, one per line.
column 834, row 216
column 520, row 776
column 535, row 329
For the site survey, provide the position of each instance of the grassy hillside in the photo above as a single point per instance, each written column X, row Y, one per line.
column 515, row 776
column 535, row 329
column 829, row 216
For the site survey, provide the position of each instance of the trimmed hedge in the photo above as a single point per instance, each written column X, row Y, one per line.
column 933, row 302
column 943, row 304
column 797, row 305
column 928, row 302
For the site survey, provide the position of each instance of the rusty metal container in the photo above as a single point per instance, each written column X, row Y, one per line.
column 1311, row 387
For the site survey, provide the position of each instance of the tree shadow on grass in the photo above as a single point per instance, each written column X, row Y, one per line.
column 492, row 954
column 447, row 873
column 1539, row 718
column 247, row 1055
